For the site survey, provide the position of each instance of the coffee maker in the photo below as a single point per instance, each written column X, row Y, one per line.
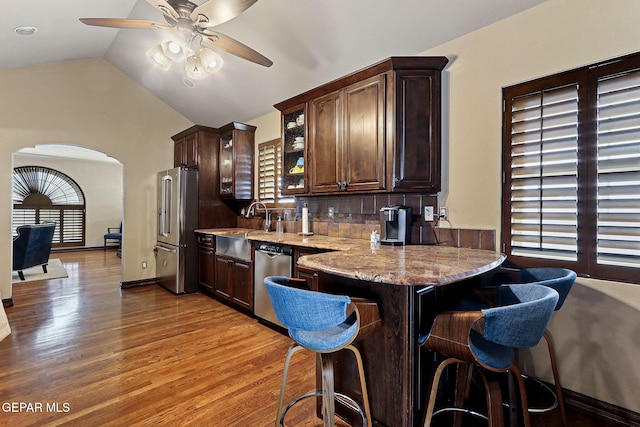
column 395, row 225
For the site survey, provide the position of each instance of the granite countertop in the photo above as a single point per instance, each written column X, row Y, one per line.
column 414, row 265
column 223, row 231
column 293, row 239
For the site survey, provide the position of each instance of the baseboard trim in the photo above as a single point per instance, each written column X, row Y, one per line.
column 136, row 283
column 8, row 302
column 600, row 410
column 82, row 249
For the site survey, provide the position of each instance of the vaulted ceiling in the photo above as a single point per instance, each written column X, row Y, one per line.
column 309, row 42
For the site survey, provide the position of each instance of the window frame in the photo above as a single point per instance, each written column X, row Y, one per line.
column 587, row 78
column 70, row 218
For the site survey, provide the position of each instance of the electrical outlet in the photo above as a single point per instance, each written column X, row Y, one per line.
column 331, row 212
column 444, row 213
column 428, row 213
column 144, row 264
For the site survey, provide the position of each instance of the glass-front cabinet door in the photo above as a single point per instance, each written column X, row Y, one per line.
column 294, row 151
column 226, row 164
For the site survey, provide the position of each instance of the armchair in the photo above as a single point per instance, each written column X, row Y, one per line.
column 32, row 246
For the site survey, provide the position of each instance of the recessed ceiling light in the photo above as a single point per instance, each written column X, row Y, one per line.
column 188, row 83
column 25, row 30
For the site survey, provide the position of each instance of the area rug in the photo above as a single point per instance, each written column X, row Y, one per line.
column 55, row 270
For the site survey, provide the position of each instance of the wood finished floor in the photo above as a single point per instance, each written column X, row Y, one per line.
column 143, row 356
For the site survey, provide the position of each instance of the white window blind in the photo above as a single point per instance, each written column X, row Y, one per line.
column 22, row 217
column 41, row 194
column 270, row 173
column 618, row 170
column 544, row 174
column 73, row 231
column 571, row 162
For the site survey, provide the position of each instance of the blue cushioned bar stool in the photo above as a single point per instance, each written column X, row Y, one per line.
column 560, row 279
column 488, row 339
column 322, row 323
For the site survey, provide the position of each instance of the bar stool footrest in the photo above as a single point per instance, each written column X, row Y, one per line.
column 463, row 410
column 344, row 399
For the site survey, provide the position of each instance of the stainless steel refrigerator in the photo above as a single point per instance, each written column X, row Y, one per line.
column 176, row 248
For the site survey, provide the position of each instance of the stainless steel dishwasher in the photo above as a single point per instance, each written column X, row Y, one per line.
column 271, row 259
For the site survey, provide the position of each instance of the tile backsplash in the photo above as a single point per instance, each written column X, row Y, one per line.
column 355, row 216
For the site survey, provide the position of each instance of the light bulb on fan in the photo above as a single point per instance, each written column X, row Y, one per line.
column 210, row 60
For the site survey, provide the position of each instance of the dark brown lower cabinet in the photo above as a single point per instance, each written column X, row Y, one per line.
column 311, row 276
column 206, row 263
column 234, row 281
column 300, row 272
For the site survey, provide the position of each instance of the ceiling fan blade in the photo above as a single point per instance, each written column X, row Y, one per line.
column 125, row 23
column 167, row 10
column 215, row 12
column 215, row 40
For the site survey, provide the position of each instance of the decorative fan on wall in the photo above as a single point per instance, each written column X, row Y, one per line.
column 196, row 40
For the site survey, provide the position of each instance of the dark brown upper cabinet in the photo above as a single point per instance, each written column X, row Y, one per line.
column 237, row 145
column 375, row 130
column 197, row 147
column 188, row 145
column 347, row 138
column 294, row 151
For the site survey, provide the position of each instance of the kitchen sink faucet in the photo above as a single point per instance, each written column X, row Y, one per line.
column 250, row 212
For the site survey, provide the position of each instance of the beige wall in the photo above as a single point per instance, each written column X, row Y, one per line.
column 91, row 104
column 596, row 332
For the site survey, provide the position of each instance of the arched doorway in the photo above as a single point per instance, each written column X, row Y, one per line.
column 98, row 176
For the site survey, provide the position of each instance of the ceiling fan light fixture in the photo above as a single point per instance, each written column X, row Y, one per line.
column 157, row 55
column 172, row 50
column 210, row 60
column 194, row 68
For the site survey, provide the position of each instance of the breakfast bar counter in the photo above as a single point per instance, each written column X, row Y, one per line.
column 414, row 265
column 411, row 285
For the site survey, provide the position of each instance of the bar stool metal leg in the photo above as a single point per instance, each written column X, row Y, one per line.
column 556, row 378
column 363, row 385
column 292, row 350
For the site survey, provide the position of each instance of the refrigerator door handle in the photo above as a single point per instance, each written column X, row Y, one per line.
column 156, row 247
column 164, row 221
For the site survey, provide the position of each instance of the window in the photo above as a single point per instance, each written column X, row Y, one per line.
column 571, row 167
column 270, row 174
column 41, row 194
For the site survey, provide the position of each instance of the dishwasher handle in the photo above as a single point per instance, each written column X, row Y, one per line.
column 272, row 254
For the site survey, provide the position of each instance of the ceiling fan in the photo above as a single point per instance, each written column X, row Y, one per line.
column 194, row 23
